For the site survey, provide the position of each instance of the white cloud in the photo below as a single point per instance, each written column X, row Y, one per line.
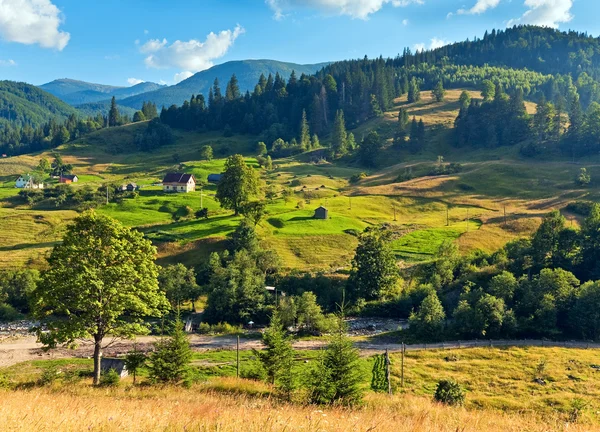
column 433, row 44
column 146, row 32
column 182, row 76
column 9, row 62
column 549, row 13
column 134, row 81
column 32, row 22
column 162, row 82
column 192, row 55
column 405, row 22
column 354, row 8
column 480, row 7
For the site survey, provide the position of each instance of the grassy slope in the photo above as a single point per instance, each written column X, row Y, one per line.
column 474, row 200
column 501, row 394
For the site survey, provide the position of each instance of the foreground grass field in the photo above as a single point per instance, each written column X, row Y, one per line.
column 468, row 207
column 501, row 396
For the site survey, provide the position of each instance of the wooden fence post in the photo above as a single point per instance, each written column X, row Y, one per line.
column 402, row 369
column 387, row 372
column 237, row 355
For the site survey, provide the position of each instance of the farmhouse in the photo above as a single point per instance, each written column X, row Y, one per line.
column 321, row 213
column 28, row 182
column 178, row 182
column 68, row 178
column 129, row 187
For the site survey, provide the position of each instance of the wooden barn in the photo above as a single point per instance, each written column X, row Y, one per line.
column 321, row 213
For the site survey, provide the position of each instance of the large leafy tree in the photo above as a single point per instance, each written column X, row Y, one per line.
column 238, row 184
column 374, row 270
column 179, row 284
column 101, row 281
column 428, row 322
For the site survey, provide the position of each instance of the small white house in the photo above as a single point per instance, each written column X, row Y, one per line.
column 178, row 182
column 28, row 182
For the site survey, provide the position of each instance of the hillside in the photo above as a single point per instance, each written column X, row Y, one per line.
column 541, row 49
column 247, row 71
column 22, row 104
column 492, row 181
column 76, row 92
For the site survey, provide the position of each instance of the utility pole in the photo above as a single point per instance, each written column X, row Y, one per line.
column 504, row 215
column 107, row 194
column 394, row 213
column 201, row 199
column 402, row 368
column 447, row 216
column 350, row 201
column 237, row 354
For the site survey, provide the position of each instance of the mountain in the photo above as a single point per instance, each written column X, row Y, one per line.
column 90, row 109
column 22, row 104
column 76, row 92
column 247, row 71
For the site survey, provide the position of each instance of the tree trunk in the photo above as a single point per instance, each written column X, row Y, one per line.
column 97, row 358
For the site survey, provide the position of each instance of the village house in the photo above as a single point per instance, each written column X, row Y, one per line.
column 68, row 178
column 129, row 187
column 178, row 182
column 28, row 182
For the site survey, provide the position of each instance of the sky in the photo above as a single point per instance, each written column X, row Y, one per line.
column 124, row 42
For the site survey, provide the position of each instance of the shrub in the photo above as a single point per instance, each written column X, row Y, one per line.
column 220, row 328
column 254, row 372
column 449, row 392
column 5, row 382
column 202, row 213
column 582, row 208
column 110, row 378
column 49, row 375
column 8, row 313
column 358, row 177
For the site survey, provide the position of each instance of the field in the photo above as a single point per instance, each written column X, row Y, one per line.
column 496, row 197
column 501, row 396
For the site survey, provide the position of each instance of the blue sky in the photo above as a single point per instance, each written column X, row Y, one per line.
column 120, row 42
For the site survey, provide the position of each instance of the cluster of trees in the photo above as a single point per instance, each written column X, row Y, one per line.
column 16, row 287
column 148, row 112
column 543, row 286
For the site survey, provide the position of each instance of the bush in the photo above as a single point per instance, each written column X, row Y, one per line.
column 110, row 378
column 220, row 328
column 358, row 177
column 49, row 375
column 254, row 372
column 202, row 213
column 8, row 313
column 5, row 382
column 449, row 392
column 582, row 208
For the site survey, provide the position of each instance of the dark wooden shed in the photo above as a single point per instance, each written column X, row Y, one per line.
column 321, row 213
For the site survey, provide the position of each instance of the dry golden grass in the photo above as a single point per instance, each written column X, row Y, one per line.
column 198, row 409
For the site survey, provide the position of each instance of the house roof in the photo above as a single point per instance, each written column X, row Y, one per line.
column 178, row 178
column 320, row 207
column 69, row 176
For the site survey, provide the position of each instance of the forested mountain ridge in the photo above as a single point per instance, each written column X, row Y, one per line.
column 24, row 104
column 76, row 92
column 247, row 72
column 536, row 48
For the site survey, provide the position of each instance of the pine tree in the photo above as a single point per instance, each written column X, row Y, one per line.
column 113, row 113
column 351, row 142
column 304, row 132
column 414, row 136
column 278, row 356
column 339, row 135
column 171, row 357
column 337, row 379
column 314, row 142
column 401, row 127
column 438, row 93
column 414, row 94
column 232, row 92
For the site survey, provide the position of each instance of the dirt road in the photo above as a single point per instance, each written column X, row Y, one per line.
column 25, row 348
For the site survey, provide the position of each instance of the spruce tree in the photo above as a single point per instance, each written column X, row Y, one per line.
column 401, row 127
column 169, row 363
column 304, row 132
column 278, row 357
column 414, row 93
column 339, row 135
column 232, row 92
column 113, row 113
column 438, row 92
column 314, row 142
column 414, row 136
column 337, row 379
